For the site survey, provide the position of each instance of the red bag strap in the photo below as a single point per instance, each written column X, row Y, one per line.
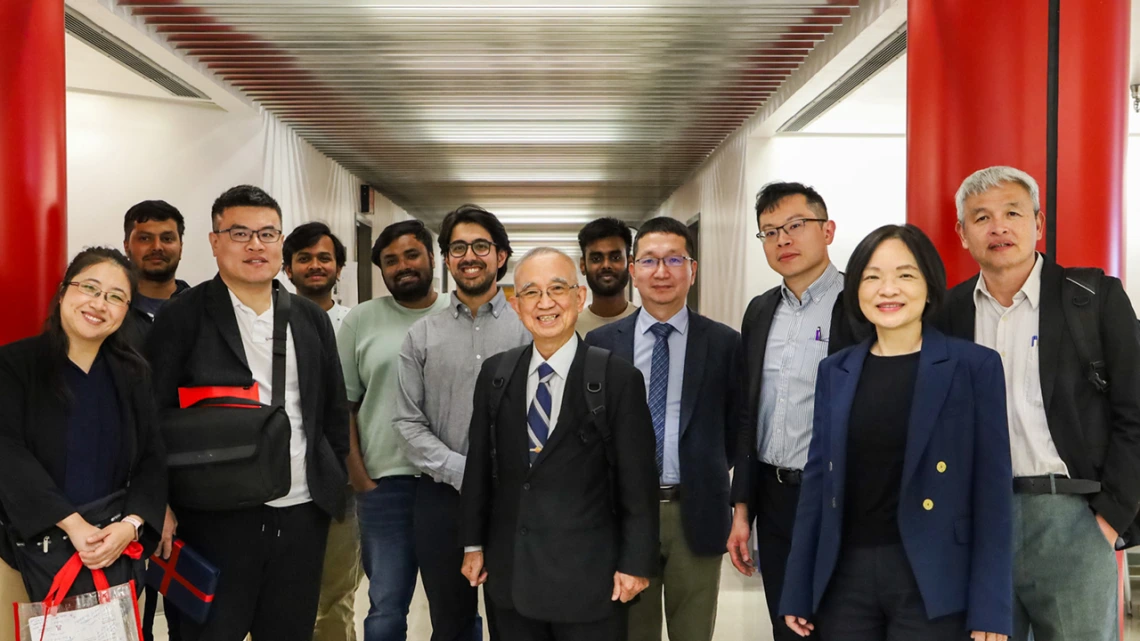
column 66, row 576
column 63, row 581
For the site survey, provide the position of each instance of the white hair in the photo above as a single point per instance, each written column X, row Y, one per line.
column 986, row 179
column 546, row 251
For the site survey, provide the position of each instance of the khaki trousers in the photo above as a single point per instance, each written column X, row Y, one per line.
column 690, row 584
column 11, row 590
column 336, row 620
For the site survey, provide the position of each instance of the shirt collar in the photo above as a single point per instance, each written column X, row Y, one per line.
column 559, row 361
column 1030, row 289
column 496, row 305
column 828, row 279
column 680, row 321
column 246, row 309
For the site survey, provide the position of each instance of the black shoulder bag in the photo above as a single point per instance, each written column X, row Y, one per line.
column 232, row 453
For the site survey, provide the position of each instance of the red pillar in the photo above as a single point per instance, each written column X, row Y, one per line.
column 33, row 190
column 978, row 95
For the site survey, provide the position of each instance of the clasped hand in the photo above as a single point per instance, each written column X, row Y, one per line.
column 100, row 547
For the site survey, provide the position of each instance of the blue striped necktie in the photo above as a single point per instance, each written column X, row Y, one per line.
column 538, row 418
column 659, row 387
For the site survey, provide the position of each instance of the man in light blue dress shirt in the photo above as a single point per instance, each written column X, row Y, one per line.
column 786, row 332
column 691, row 366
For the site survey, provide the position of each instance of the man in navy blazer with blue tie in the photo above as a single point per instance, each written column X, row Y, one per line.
column 691, row 368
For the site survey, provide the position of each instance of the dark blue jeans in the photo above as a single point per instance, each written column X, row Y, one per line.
column 388, row 552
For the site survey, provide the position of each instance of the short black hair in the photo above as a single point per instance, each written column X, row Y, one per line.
column 771, row 194
column 607, row 227
column 476, row 215
column 394, row 231
column 242, row 196
column 929, row 263
column 308, row 235
column 666, row 225
column 148, row 210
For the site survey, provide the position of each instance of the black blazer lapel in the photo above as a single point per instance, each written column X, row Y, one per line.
column 572, row 407
column 696, row 349
column 963, row 312
column 1051, row 327
column 626, row 329
column 759, row 339
column 221, row 310
column 307, row 344
column 513, row 409
column 932, row 386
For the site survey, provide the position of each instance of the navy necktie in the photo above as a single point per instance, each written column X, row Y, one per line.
column 538, row 417
column 659, row 387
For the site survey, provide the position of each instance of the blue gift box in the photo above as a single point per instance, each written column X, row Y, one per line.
column 186, row 579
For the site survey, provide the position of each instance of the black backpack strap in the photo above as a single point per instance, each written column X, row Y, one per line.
column 282, row 303
column 506, row 367
column 1082, row 315
column 597, row 360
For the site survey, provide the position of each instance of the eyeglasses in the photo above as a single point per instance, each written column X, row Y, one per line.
column 90, row 289
column 792, row 229
column 555, row 292
column 458, row 249
column 245, row 234
column 650, row 263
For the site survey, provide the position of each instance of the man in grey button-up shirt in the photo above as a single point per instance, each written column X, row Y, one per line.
column 439, row 362
column 786, row 332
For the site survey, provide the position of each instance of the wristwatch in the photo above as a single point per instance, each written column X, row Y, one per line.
column 135, row 522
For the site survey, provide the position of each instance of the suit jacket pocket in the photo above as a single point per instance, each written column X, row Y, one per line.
column 964, row 531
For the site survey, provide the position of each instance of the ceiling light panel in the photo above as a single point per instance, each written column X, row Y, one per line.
column 558, row 111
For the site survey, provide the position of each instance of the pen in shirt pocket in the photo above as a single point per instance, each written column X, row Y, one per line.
column 1033, row 341
column 819, row 335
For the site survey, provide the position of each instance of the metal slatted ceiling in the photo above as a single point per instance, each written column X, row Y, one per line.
column 548, row 113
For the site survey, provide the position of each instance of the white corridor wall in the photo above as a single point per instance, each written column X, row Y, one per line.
column 123, row 149
column 862, row 178
column 718, row 192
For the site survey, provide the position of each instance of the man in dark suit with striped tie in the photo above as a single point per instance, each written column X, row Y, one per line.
column 691, row 366
column 559, row 502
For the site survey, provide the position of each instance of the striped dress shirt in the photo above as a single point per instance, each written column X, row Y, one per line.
column 797, row 342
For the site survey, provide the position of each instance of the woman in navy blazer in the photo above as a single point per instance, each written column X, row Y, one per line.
column 903, row 529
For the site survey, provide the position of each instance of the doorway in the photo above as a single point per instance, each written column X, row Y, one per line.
column 694, row 300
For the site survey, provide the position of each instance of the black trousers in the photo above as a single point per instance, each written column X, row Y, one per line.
column 452, row 602
column 873, row 596
column 775, row 504
column 270, row 561
column 512, row 626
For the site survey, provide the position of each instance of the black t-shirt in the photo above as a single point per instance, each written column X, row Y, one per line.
column 876, row 446
column 148, row 305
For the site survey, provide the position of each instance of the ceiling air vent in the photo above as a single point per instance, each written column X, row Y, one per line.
column 124, row 54
column 884, row 54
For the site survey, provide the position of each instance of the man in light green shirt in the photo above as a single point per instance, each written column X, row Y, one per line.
column 369, row 344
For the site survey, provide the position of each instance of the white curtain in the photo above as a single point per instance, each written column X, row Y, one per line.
column 310, row 186
column 718, row 193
